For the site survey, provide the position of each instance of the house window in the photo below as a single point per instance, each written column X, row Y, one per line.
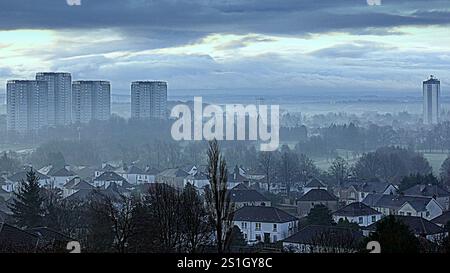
column 244, row 225
column 258, row 237
column 258, row 226
column 409, row 213
column 374, row 219
column 360, row 220
column 275, row 238
column 428, row 213
column 274, row 227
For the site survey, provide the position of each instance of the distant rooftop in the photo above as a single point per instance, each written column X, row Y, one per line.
column 431, row 80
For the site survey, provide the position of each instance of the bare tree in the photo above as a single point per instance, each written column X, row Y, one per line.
column 328, row 241
column 340, row 170
column 163, row 205
column 118, row 213
column 267, row 163
column 196, row 231
column 218, row 201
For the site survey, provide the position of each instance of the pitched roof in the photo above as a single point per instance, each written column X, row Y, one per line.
column 244, row 194
column 240, row 186
column 263, row 214
column 442, row 219
column 427, row 190
column 318, row 195
column 16, row 239
column 310, row 234
column 315, row 183
column 396, row 201
column 109, row 176
column 135, row 170
column 371, row 187
column 49, row 234
column 60, row 172
column 417, row 225
column 356, row 209
column 22, row 175
column 175, row 172
column 77, row 184
column 108, row 168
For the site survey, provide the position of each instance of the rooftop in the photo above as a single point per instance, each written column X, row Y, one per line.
column 318, row 195
column 263, row 214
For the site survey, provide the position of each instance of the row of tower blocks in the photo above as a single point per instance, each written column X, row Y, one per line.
column 52, row 99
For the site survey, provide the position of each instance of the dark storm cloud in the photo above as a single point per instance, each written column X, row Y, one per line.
column 198, row 17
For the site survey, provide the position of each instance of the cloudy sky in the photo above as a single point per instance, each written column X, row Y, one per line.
column 295, row 45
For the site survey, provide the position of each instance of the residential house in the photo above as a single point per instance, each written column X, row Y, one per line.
column 314, row 183
column 60, row 176
column 425, row 207
column 356, row 192
column 358, row 213
column 135, row 175
column 241, row 196
column 16, row 240
column 105, row 168
column 435, row 191
column 316, row 197
column 174, row 177
column 443, row 219
column 108, row 178
column 198, row 179
column 264, row 224
column 12, row 182
column 323, row 239
column 75, row 184
column 419, row 226
column 113, row 191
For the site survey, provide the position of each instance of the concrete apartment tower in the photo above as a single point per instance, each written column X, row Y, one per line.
column 27, row 106
column 431, row 100
column 59, row 97
column 91, row 100
column 149, row 100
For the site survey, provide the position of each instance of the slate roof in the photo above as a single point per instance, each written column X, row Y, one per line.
column 309, row 234
column 371, row 187
column 17, row 240
column 356, row 209
column 110, row 176
column 442, row 219
column 49, row 234
column 135, row 170
column 175, row 172
column 77, row 184
column 22, row 175
column 315, row 183
column 61, row 172
column 427, row 190
column 317, row 195
column 396, row 201
column 263, row 214
column 108, row 168
column 418, row 225
column 242, row 193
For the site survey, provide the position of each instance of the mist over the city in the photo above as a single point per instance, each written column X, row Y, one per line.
column 225, row 126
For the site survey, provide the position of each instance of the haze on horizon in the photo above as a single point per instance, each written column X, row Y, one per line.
column 230, row 44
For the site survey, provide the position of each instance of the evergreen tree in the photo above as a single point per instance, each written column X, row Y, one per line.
column 27, row 206
column 320, row 215
column 394, row 236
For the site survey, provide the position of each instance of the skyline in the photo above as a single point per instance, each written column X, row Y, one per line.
column 297, row 45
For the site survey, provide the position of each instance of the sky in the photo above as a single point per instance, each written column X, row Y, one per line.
column 296, row 45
